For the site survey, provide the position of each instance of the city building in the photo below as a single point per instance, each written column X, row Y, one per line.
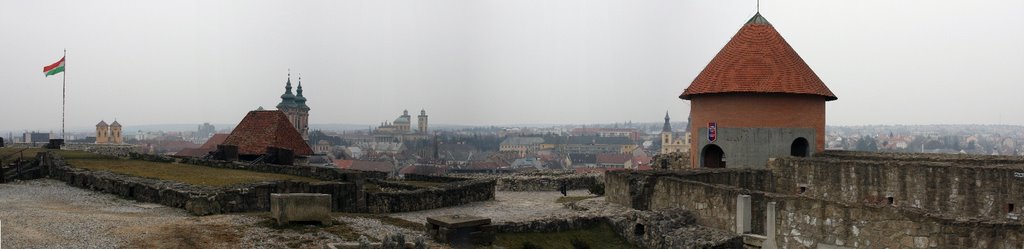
column 756, row 99
column 294, row 107
column 400, row 129
column 671, row 143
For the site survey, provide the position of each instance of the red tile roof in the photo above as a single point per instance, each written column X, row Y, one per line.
column 262, row 129
column 613, row 158
column 757, row 60
column 364, row 165
column 209, row 146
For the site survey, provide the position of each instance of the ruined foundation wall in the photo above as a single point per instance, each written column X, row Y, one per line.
column 713, row 204
column 635, row 188
column 986, row 192
column 198, row 200
column 447, row 195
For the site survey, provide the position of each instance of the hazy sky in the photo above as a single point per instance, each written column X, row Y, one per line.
column 493, row 62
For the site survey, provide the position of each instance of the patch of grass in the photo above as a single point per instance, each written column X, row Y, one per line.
column 567, row 199
column 184, row 173
column 600, row 236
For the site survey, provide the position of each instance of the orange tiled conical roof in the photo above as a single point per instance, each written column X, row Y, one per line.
column 757, row 60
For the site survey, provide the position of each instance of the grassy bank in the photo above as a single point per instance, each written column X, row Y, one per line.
column 184, row 173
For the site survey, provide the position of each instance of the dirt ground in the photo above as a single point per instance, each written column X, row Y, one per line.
column 49, row 214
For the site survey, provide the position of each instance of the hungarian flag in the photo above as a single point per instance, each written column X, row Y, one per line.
column 55, row 68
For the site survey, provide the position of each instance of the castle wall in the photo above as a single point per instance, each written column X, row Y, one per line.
column 939, row 201
column 967, row 191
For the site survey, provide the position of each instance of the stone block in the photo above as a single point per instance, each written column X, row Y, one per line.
column 461, row 230
column 300, row 207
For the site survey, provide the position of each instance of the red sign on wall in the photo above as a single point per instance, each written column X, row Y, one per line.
column 712, row 132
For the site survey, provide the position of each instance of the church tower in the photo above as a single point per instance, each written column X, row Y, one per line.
column 102, row 132
column 302, row 114
column 115, row 133
column 294, row 107
column 666, row 135
column 422, row 121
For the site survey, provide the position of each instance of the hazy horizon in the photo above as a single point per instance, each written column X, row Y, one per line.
column 480, row 62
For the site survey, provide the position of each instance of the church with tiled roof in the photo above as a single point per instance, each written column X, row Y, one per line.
column 756, row 99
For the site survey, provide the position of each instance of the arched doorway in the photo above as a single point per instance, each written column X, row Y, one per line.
column 799, row 148
column 712, row 156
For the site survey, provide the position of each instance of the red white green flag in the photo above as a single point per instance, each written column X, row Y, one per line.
column 55, row 68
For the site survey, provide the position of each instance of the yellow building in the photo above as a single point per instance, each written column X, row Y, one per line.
column 670, row 143
column 108, row 134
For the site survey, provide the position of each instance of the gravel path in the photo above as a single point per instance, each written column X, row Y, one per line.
column 506, row 206
column 47, row 213
column 50, row 214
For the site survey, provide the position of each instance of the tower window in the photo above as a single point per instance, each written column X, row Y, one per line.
column 1009, row 208
column 890, row 200
column 802, row 190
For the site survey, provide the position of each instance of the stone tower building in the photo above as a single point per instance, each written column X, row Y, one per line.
column 757, row 99
column 295, row 108
column 115, row 133
column 108, row 134
column 422, row 122
column 102, row 132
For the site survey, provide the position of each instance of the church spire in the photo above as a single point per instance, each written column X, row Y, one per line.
column 287, row 99
column 300, row 100
column 667, row 127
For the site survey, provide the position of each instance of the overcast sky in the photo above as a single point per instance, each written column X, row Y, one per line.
column 493, row 62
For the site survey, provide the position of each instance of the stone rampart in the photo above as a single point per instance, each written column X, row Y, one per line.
column 635, row 188
column 987, row 192
column 958, row 159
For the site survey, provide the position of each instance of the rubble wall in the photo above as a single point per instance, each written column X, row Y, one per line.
column 987, row 192
column 446, row 195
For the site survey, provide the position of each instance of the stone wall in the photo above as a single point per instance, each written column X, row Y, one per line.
column 827, row 219
column 429, row 178
column 116, row 150
column 199, row 200
column 811, row 223
column 713, row 204
column 984, row 192
column 958, row 159
column 667, row 228
column 446, row 195
column 635, row 188
column 540, row 181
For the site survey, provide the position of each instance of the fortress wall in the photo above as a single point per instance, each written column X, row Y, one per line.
column 985, row 192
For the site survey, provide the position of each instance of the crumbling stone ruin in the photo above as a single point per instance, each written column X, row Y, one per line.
column 846, row 199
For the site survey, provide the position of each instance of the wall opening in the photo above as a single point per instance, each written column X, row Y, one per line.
column 802, row 190
column 712, row 157
column 890, row 200
column 799, row 148
column 1009, row 208
column 638, row 229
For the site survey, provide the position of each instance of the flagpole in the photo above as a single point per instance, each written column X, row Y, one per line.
column 63, row 92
